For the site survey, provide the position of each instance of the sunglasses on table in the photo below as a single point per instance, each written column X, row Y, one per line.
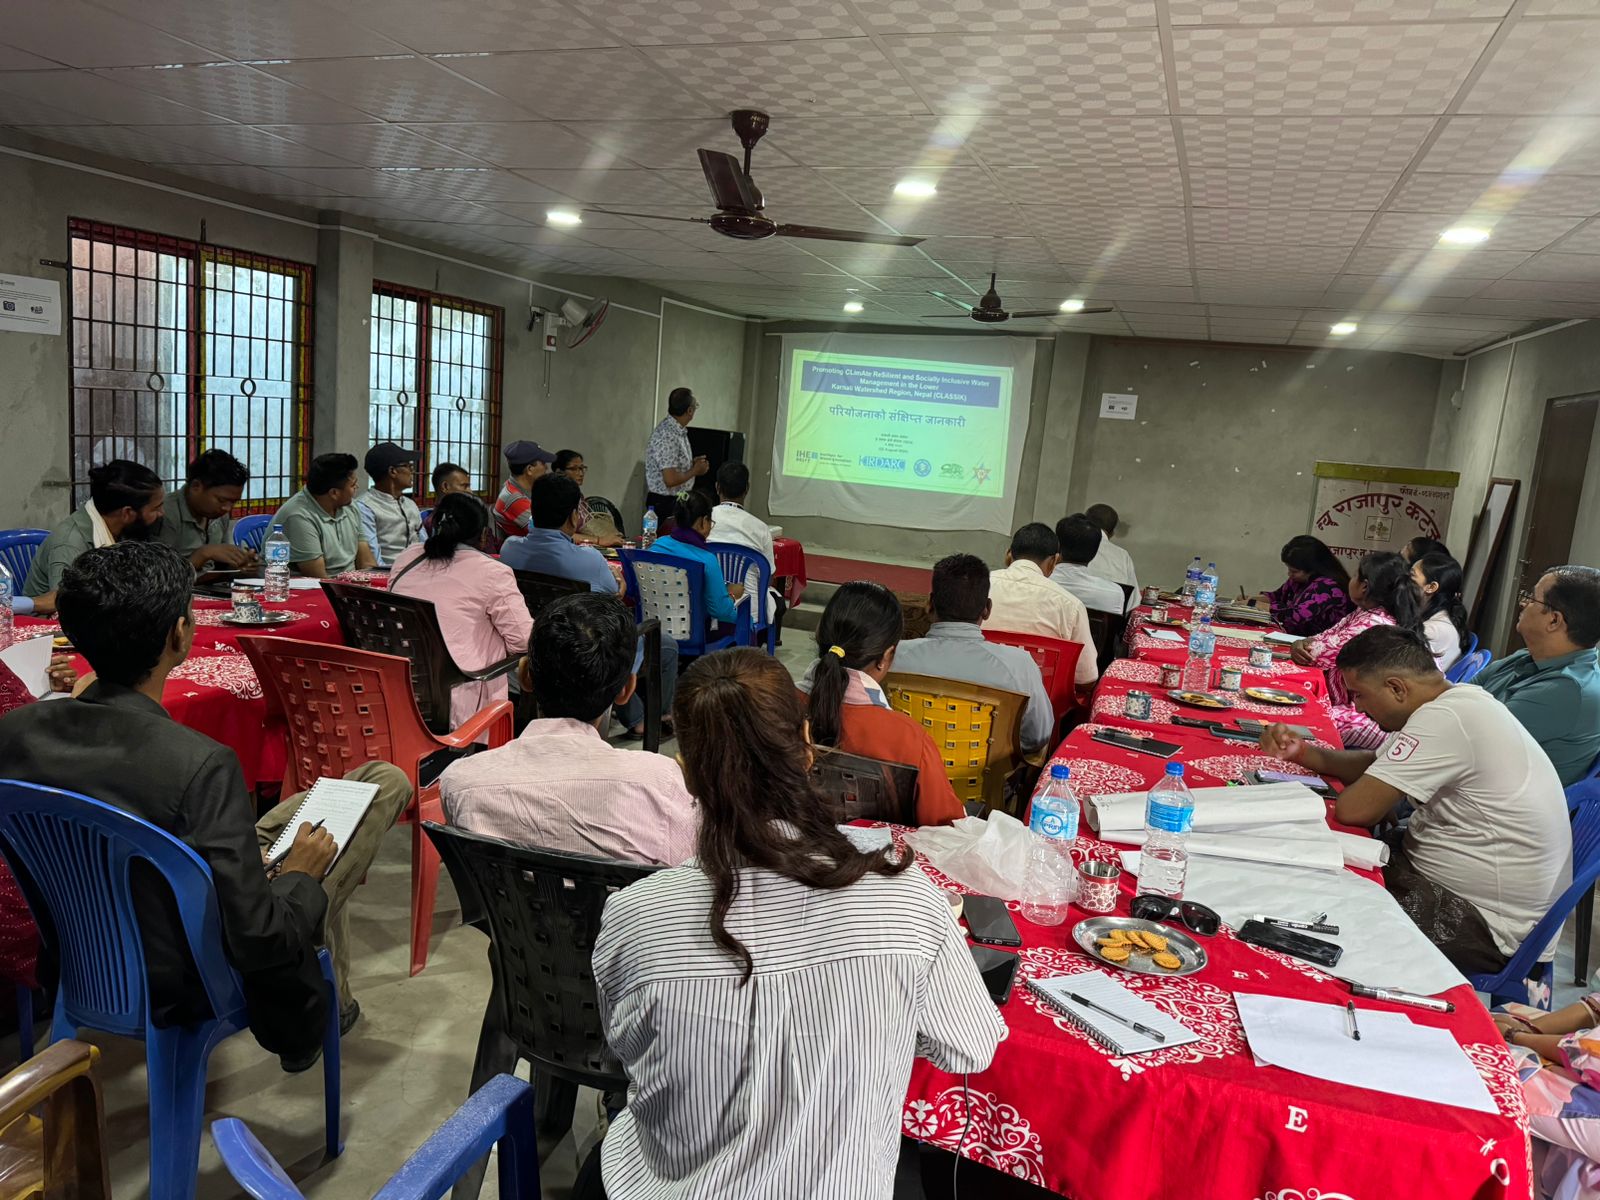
column 1197, row 917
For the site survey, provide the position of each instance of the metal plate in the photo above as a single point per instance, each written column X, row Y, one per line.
column 1272, row 695
column 1190, row 952
column 1199, row 699
column 268, row 619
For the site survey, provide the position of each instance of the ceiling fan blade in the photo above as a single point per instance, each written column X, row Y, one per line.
column 1087, row 311
column 1035, row 312
column 961, row 304
column 730, row 188
column 846, row 235
column 617, row 212
column 944, row 317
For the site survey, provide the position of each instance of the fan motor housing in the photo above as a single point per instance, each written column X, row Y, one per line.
column 989, row 316
column 746, row 226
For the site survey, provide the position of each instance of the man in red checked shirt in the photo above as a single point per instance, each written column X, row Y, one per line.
column 526, row 461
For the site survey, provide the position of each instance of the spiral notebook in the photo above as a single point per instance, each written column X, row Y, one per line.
column 338, row 803
column 1105, row 991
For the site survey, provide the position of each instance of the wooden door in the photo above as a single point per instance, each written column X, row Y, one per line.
column 1557, row 483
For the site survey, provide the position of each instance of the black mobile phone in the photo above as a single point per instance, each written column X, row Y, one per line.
column 1287, row 941
column 999, row 970
column 990, row 921
column 1132, row 741
column 1320, row 786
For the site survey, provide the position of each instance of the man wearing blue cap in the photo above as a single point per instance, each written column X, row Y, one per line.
column 526, row 462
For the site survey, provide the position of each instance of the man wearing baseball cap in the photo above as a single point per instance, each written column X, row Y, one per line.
column 394, row 520
column 526, row 461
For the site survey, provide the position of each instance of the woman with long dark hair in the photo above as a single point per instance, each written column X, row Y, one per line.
column 481, row 612
column 1383, row 594
column 856, row 641
column 1315, row 596
column 767, row 999
column 692, row 525
column 1444, row 616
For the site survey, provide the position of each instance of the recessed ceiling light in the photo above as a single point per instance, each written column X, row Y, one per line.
column 1072, row 306
column 915, row 189
column 1342, row 328
column 854, row 306
column 1464, row 235
column 563, row 217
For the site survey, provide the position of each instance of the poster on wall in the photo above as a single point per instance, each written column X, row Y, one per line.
column 1361, row 509
column 29, row 305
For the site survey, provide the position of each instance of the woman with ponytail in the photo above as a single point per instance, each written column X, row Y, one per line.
column 1444, row 617
column 767, row 999
column 691, row 527
column 481, row 612
column 856, row 640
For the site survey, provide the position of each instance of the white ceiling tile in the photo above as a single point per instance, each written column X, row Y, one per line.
column 1150, row 309
column 976, row 272
column 22, row 111
column 618, row 185
column 1287, row 297
column 1415, row 290
column 988, row 249
column 1086, row 141
column 1557, row 195
column 1532, row 310
column 1115, row 273
column 872, row 261
column 407, row 88
column 1003, row 16
column 1051, row 75
column 1108, row 224
column 372, row 145
column 1555, row 144
column 1331, row 227
column 81, row 35
column 1583, row 240
column 1119, row 292
column 244, row 94
column 1300, row 12
column 244, row 178
column 1583, row 268
column 108, row 100
column 1289, row 189
column 141, row 144
column 469, row 26
column 942, row 216
column 1102, row 186
column 836, row 76
column 1456, row 323
column 651, row 23
column 249, row 30
column 1540, row 67
column 1269, row 259
column 670, row 144
column 910, row 142
column 1283, row 281
column 1469, row 263
column 1325, row 69
column 585, row 85
column 1371, row 321
column 13, row 59
column 1311, row 143
column 1515, row 231
column 1542, row 290
column 1118, row 260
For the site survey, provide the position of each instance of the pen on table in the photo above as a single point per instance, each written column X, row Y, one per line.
column 1306, row 926
column 277, row 862
column 1155, row 1034
column 1432, row 1004
column 1350, row 1011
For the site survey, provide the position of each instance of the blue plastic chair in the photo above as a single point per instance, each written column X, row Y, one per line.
column 251, row 531
column 499, row 1113
column 740, row 564
column 671, row 590
column 1511, row 982
column 76, row 858
column 1468, row 666
column 17, row 548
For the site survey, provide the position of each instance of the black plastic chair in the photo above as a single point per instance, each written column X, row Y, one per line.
column 866, row 789
column 616, row 514
column 541, row 911
column 540, row 590
column 385, row 623
column 1107, row 630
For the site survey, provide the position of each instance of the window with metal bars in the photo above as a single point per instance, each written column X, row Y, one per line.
column 435, row 380
column 180, row 346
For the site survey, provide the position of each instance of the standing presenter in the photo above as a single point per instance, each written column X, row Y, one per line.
column 670, row 464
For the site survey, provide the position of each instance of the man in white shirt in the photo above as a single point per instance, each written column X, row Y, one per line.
column 1111, row 561
column 1489, row 848
column 394, row 519
column 732, row 522
column 1080, row 539
column 1023, row 600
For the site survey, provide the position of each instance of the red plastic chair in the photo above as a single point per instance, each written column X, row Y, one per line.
column 1058, row 663
column 346, row 707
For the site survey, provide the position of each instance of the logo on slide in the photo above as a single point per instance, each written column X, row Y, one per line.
column 924, row 468
column 878, row 462
column 805, row 456
column 981, row 473
column 953, row 471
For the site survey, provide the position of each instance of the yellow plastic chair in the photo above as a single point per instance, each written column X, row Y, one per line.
column 978, row 731
column 61, row 1156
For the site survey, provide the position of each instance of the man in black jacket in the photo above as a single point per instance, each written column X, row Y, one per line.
column 126, row 607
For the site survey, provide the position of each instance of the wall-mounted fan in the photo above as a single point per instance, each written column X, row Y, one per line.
column 578, row 319
column 739, row 202
column 989, row 310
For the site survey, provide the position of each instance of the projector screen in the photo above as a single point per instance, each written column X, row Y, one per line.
column 919, row 432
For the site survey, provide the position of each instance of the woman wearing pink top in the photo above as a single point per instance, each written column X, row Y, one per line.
column 481, row 613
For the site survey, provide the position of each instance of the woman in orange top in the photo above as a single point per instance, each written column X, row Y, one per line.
column 856, row 640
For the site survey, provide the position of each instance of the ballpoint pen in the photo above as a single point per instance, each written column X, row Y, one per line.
column 1154, row 1034
column 1350, row 1011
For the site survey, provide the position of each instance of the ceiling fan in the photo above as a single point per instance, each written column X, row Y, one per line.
column 739, row 201
column 989, row 311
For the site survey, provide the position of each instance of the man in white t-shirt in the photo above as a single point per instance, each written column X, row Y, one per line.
column 1489, row 848
column 1023, row 600
column 1111, row 561
column 732, row 522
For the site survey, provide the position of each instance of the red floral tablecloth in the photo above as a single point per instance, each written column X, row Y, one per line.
column 1202, row 1121
column 1110, row 702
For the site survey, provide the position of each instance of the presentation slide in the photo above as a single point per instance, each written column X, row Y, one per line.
column 920, row 432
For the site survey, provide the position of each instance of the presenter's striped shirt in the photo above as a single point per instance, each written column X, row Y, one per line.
column 791, row 1086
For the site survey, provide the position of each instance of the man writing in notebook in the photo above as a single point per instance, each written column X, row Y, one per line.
column 126, row 608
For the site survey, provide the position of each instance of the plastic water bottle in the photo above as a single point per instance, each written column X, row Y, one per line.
column 276, row 552
column 1205, row 596
column 1197, row 668
column 647, row 531
column 8, row 590
column 1168, row 818
column 1051, row 882
column 1191, row 580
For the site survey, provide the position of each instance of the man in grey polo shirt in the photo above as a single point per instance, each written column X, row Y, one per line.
column 390, row 515
column 125, row 502
column 320, row 520
column 197, row 519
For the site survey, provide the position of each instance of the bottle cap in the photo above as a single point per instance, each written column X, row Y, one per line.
column 1060, row 771
column 1174, row 768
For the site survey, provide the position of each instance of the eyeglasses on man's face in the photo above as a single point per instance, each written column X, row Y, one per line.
column 1525, row 598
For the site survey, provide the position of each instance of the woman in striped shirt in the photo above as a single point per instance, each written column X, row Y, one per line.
column 768, row 997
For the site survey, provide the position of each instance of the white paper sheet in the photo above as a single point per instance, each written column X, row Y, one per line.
column 1312, row 851
column 1217, row 808
column 297, row 583
column 1393, row 1055
column 1287, row 639
column 338, row 803
column 29, row 661
column 1165, row 635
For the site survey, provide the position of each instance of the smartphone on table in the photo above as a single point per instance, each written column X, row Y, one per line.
column 989, row 921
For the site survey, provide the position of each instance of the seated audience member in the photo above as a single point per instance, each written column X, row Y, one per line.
column 1079, row 540
column 856, row 641
column 560, row 785
column 1111, row 561
column 395, row 521
column 595, row 526
column 721, row 982
column 548, row 548
column 735, row 524
column 481, row 611
column 447, row 477
column 1553, row 686
column 321, row 522
column 127, row 610
column 955, row 647
column 527, row 462
column 1383, row 594
column 197, row 520
column 1023, row 600
column 125, row 503
column 1558, row 1061
column 1316, row 595
column 1444, row 618
column 1489, row 847
column 1419, row 546
column 692, row 525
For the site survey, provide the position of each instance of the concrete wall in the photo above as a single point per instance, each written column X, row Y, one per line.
column 704, row 351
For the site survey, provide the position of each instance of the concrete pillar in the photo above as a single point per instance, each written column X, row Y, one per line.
column 342, row 370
